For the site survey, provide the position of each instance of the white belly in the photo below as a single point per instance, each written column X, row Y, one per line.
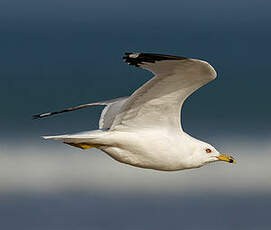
column 155, row 150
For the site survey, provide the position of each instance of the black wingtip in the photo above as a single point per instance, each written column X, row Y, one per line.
column 132, row 58
column 136, row 59
column 36, row 116
column 41, row 115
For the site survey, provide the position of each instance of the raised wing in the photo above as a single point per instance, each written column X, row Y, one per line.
column 157, row 104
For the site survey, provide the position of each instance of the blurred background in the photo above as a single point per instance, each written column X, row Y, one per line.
column 56, row 54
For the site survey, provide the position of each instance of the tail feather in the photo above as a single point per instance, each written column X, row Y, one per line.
column 89, row 137
column 82, row 140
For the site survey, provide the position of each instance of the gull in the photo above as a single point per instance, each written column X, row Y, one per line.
column 144, row 129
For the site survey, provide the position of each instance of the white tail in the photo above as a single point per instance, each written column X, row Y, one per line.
column 83, row 140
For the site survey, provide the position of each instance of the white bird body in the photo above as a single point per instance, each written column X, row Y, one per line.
column 168, row 153
column 144, row 130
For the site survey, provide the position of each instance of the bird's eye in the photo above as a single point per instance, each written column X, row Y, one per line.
column 208, row 150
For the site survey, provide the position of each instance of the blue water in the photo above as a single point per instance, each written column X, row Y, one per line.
column 81, row 211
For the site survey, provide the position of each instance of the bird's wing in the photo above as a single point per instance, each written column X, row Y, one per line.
column 112, row 108
column 110, row 111
column 157, row 104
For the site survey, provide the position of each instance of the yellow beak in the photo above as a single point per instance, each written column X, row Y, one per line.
column 226, row 158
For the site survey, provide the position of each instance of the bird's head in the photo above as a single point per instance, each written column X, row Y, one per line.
column 206, row 153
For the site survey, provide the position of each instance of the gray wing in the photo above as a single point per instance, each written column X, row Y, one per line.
column 110, row 111
column 157, row 104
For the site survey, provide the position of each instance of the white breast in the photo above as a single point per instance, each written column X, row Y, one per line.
column 154, row 149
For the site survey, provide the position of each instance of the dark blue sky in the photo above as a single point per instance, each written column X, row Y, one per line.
column 56, row 54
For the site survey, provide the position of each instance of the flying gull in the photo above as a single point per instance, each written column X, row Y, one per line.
column 144, row 129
